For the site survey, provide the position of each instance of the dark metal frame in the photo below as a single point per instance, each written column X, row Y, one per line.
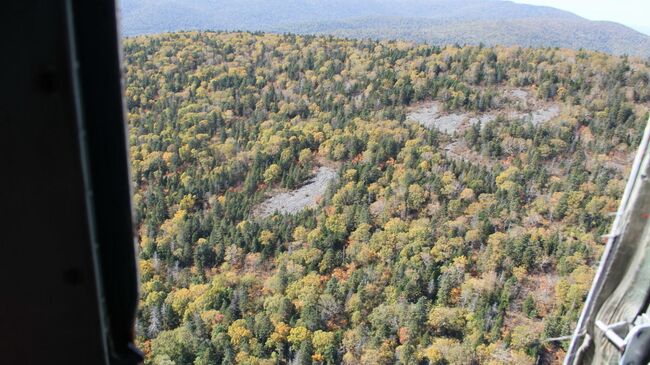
column 67, row 266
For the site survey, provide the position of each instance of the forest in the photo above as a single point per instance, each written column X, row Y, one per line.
column 412, row 255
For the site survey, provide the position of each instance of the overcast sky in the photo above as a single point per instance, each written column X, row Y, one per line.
column 633, row 13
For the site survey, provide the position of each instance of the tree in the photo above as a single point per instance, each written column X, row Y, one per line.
column 447, row 321
column 325, row 344
column 416, row 196
column 297, row 336
column 175, row 345
column 272, row 173
column 238, row 333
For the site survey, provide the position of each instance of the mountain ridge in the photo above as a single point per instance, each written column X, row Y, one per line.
column 490, row 22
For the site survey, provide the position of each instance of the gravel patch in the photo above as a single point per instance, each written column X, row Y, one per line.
column 431, row 117
column 431, row 114
column 544, row 115
column 294, row 201
column 518, row 94
column 485, row 118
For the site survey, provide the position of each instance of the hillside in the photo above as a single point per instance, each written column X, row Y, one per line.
column 528, row 32
column 440, row 22
column 314, row 200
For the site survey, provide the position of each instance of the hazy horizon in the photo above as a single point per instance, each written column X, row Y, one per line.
column 632, row 13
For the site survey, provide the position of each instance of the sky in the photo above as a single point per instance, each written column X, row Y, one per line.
column 633, row 13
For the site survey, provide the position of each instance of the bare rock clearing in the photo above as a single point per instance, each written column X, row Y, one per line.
column 292, row 202
column 517, row 104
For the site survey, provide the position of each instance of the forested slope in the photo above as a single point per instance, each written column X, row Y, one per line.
column 414, row 254
column 533, row 31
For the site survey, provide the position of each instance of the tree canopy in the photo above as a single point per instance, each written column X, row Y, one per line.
column 415, row 254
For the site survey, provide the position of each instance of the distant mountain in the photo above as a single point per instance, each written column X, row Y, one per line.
column 434, row 21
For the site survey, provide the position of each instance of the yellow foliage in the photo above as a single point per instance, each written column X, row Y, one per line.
column 298, row 335
column 238, row 332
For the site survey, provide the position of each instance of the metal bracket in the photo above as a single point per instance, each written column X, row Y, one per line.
column 635, row 347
